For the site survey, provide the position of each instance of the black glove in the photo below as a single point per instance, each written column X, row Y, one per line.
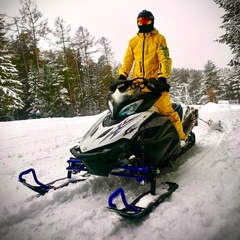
column 121, row 84
column 163, row 79
column 122, row 77
column 159, row 85
column 164, row 83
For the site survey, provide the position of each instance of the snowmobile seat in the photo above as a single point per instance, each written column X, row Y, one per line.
column 178, row 108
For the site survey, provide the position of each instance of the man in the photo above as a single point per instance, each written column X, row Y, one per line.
column 149, row 53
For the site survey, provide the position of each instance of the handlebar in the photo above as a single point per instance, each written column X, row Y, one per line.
column 123, row 85
column 151, row 84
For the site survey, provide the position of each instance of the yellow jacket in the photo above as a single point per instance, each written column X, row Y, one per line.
column 151, row 56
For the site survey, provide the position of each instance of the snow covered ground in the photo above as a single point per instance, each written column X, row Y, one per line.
column 206, row 205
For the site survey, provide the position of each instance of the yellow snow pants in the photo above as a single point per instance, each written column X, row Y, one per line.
column 164, row 106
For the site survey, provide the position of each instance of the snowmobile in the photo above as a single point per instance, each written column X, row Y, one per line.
column 130, row 140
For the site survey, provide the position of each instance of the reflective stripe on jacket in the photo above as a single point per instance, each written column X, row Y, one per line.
column 151, row 56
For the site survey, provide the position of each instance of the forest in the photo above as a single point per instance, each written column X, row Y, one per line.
column 73, row 77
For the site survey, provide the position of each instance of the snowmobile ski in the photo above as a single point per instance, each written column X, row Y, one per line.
column 42, row 188
column 141, row 205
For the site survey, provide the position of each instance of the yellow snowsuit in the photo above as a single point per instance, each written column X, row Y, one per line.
column 150, row 55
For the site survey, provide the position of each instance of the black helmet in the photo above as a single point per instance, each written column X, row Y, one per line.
column 145, row 13
column 146, row 28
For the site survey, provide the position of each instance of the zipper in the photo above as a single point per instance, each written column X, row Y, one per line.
column 143, row 71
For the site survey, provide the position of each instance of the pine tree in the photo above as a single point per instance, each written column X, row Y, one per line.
column 33, row 28
column 231, row 23
column 104, row 72
column 10, row 99
column 179, row 85
column 195, row 78
column 211, row 81
column 85, row 45
column 233, row 90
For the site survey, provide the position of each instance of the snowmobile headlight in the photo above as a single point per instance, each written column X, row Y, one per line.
column 130, row 108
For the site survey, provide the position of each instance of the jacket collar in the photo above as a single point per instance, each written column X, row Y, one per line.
column 155, row 31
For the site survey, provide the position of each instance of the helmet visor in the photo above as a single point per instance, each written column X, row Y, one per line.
column 144, row 21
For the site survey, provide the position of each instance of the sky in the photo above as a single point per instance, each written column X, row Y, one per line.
column 189, row 26
column 206, row 205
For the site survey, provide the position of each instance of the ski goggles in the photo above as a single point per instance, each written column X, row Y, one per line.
column 144, row 21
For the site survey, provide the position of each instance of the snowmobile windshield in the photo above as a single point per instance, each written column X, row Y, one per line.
column 131, row 98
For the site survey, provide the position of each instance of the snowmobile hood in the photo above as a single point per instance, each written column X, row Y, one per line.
column 102, row 135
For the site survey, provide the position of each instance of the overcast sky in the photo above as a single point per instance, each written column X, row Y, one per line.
column 189, row 26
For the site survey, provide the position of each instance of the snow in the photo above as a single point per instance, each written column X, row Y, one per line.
column 205, row 206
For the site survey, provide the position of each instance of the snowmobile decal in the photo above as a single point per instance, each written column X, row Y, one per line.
column 120, row 126
column 129, row 130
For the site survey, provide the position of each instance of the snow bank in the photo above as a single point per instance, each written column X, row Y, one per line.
column 205, row 206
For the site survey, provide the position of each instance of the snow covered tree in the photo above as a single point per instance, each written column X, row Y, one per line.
column 231, row 23
column 175, row 81
column 71, row 72
column 224, row 81
column 106, row 50
column 211, row 81
column 180, row 82
column 104, row 72
column 10, row 99
column 233, row 90
column 32, row 23
column 85, row 45
column 33, row 28
column 194, row 86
